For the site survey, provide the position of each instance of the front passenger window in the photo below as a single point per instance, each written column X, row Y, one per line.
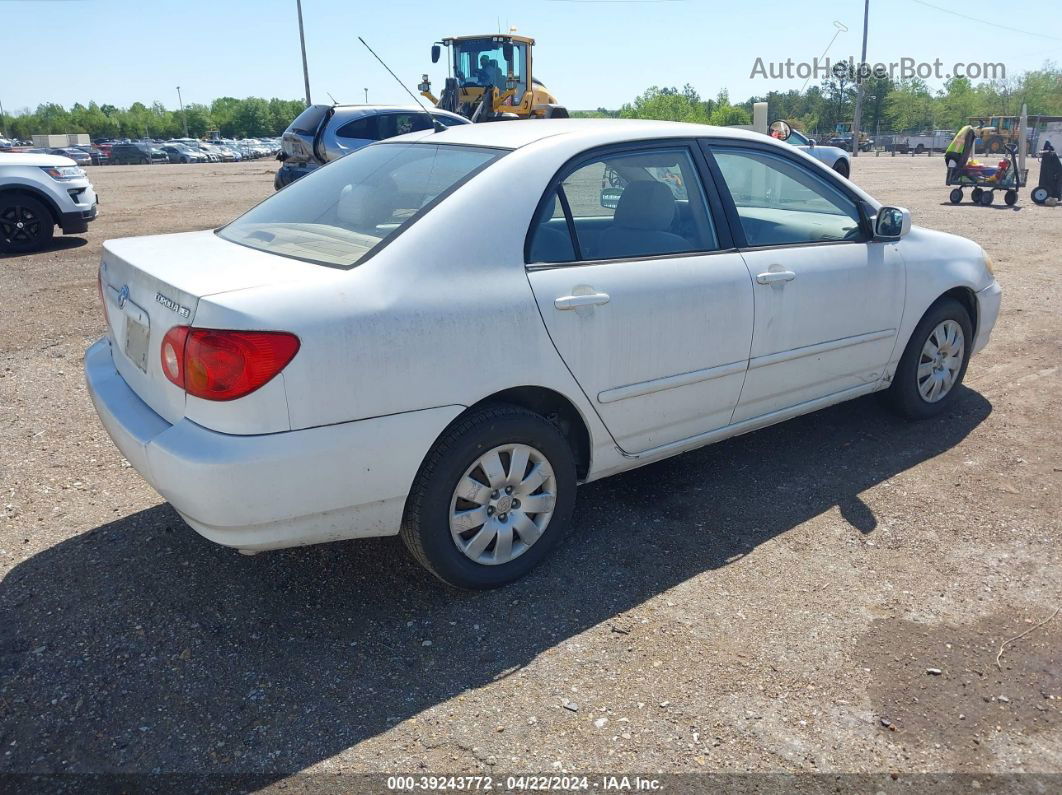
column 782, row 203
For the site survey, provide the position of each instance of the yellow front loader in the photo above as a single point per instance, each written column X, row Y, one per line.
column 489, row 78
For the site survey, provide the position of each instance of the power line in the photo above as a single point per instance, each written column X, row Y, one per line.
column 987, row 22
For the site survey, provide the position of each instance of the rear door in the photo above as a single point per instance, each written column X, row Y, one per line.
column 642, row 292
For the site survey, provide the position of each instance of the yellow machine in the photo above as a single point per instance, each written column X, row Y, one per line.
column 998, row 133
column 490, row 78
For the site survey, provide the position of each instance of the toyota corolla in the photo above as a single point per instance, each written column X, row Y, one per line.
column 442, row 334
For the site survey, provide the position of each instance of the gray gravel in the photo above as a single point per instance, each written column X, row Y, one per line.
column 782, row 601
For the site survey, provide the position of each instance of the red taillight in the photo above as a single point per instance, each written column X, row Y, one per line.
column 224, row 365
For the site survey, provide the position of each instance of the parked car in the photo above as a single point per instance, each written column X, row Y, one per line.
column 179, row 153
column 97, row 155
column 834, row 157
column 37, row 193
column 323, row 133
column 79, row 157
column 405, row 343
column 137, row 153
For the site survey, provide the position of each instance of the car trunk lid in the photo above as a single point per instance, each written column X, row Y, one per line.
column 151, row 284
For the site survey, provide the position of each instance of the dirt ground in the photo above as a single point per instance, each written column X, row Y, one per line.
column 827, row 595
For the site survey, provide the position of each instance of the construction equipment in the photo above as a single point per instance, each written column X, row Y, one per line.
column 489, row 78
column 999, row 132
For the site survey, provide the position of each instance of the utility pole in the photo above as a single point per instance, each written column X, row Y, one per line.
column 366, row 95
column 857, row 116
column 302, row 42
column 184, row 116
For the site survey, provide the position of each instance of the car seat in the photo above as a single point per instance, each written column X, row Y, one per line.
column 644, row 215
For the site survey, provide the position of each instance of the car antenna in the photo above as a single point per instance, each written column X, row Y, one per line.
column 437, row 125
column 334, row 100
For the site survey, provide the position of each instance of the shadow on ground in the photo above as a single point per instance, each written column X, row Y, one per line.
column 53, row 245
column 139, row 646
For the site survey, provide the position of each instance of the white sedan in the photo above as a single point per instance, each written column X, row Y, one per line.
column 442, row 334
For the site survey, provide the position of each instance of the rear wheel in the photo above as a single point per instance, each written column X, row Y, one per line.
column 987, row 197
column 1010, row 197
column 1039, row 195
column 975, row 195
column 934, row 361
column 841, row 167
column 492, row 498
column 25, row 224
column 955, row 196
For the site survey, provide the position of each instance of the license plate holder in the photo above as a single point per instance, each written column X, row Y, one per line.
column 136, row 342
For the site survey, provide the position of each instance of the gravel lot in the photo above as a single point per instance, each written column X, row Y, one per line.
column 772, row 603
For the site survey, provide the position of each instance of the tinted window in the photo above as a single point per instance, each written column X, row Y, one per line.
column 630, row 204
column 309, row 120
column 364, row 129
column 338, row 214
column 781, row 202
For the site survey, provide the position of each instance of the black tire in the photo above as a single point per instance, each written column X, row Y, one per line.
column 975, row 195
column 987, row 197
column 842, row 168
column 25, row 224
column 920, row 149
column 903, row 394
column 144, row 161
column 955, row 196
column 1039, row 195
column 1010, row 197
column 426, row 523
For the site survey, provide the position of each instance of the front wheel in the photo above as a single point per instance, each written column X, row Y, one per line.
column 1010, row 197
column 934, row 361
column 1039, row 195
column 987, row 197
column 955, row 196
column 493, row 496
column 841, row 167
column 25, row 224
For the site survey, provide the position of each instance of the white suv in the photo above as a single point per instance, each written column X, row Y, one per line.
column 38, row 192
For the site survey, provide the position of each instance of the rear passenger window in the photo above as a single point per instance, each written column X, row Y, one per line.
column 624, row 205
column 363, row 129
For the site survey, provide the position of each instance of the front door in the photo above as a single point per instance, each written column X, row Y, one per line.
column 642, row 295
column 828, row 299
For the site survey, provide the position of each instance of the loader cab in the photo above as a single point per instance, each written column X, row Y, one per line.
column 491, row 61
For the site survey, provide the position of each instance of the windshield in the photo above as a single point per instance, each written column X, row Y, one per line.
column 481, row 62
column 338, row 214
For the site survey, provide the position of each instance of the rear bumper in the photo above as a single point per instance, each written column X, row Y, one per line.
column 988, row 303
column 270, row 491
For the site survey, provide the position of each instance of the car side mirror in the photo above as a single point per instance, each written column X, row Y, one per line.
column 436, row 51
column 781, row 130
column 892, row 223
column 610, row 197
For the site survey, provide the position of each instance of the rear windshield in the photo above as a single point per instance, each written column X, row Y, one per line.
column 338, row 214
column 309, row 120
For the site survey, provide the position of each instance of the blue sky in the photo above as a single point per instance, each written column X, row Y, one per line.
column 590, row 53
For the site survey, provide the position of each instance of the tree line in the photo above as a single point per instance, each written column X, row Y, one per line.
column 234, row 118
column 888, row 105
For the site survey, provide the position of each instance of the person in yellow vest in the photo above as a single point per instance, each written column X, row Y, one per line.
column 961, row 147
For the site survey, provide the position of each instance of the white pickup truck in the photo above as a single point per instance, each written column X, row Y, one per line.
column 37, row 193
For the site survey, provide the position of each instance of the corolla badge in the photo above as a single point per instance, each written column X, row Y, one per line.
column 169, row 303
column 123, row 296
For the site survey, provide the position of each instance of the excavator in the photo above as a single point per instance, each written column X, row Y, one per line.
column 489, row 78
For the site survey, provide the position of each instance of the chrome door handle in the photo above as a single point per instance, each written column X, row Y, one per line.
column 772, row 277
column 575, row 301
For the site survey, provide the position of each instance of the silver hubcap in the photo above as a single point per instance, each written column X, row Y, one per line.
column 502, row 504
column 941, row 359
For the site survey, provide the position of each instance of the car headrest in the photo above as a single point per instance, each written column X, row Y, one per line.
column 646, row 204
column 365, row 205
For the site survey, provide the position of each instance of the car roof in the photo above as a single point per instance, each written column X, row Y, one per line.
column 33, row 159
column 515, row 134
column 368, row 110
